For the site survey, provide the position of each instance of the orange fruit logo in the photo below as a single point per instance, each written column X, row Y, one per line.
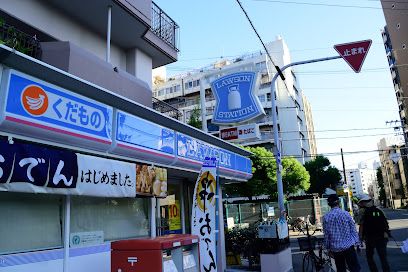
column 34, row 100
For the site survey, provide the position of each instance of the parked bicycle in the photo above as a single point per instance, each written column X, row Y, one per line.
column 313, row 261
column 300, row 224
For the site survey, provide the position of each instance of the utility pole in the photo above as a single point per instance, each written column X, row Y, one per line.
column 276, row 141
column 350, row 204
column 344, row 168
column 388, row 181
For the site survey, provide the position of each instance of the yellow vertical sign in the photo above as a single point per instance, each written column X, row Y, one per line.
column 174, row 216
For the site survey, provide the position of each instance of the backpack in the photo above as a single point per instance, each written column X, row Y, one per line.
column 374, row 223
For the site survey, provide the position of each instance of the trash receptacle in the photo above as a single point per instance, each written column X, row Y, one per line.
column 170, row 253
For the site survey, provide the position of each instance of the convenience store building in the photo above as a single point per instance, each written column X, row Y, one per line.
column 84, row 160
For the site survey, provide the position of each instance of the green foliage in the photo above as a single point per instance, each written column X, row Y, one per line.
column 382, row 197
column 322, row 175
column 14, row 39
column 295, row 176
column 195, row 118
column 263, row 181
column 243, row 241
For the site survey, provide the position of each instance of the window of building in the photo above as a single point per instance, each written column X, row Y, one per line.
column 192, row 84
column 161, row 92
column 260, row 65
column 30, row 222
column 118, row 218
column 262, row 98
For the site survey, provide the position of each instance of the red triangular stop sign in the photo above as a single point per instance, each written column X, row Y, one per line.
column 354, row 53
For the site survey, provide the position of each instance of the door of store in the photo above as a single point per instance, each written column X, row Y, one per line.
column 174, row 211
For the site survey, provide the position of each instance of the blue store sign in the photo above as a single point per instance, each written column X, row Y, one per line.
column 236, row 101
column 136, row 131
column 36, row 103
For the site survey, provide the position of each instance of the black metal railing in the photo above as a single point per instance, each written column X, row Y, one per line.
column 166, row 108
column 20, row 41
column 164, row 27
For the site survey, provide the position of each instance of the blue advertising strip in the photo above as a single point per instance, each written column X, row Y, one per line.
column 40, row 102
column 236, row 101
column 137, row 131
column 193, row 149
column 32, row 168
column 243, row 164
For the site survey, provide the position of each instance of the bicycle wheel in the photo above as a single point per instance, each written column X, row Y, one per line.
column 308, row 263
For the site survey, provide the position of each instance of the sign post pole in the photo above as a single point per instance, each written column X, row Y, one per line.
column 278, row 155
column 354, row 54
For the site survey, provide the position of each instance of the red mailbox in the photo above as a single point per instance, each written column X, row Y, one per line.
column 174, row 252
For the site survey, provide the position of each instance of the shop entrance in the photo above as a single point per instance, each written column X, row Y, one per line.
column 174, row 211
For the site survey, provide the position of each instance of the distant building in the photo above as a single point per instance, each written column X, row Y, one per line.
column 359, row 179
column 295, row 123
column 395, row 182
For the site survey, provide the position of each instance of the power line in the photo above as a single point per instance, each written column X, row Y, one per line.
column 330, row 154
column 339, row 137
column 275, row 52
column 347, row 87
column 324, row 5
column 341, row 130
column 260, row 39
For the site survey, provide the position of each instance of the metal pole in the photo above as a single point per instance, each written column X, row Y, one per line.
column 203, row 107
column 67, row 222
column 278, row 154
column 108, row 35
column 389, row 186
column 222, row 264
column 182, row 208
column 344, row 168
column 153, row 209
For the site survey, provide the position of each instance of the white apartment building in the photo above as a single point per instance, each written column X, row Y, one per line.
column 359, row 179
column 295, row 123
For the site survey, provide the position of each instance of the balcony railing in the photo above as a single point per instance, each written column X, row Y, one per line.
column 18, row 40
column 166, row 108
column 164, row 27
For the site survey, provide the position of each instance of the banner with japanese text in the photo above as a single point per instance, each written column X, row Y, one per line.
column 36, row 169
column 32, row 168
column 105, row 177
column 203, row 220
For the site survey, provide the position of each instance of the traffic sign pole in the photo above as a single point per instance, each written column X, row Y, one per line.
column 354, row 54
column 276, row 133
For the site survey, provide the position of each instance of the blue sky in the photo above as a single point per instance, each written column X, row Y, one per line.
column 340, row 98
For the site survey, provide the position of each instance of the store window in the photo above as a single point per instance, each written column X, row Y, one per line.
column 170, row 211
column 30, row 222
column 117, row 218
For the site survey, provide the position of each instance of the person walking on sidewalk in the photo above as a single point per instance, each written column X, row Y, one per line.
column 374, row 230
column 340, row 236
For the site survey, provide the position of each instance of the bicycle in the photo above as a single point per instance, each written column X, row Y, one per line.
column 312, row 261
column 300, row 224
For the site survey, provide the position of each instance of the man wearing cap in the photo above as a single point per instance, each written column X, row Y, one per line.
column 374, row 230
column 340, row 236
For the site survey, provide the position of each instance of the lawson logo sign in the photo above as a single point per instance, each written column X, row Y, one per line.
column 236, row 101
